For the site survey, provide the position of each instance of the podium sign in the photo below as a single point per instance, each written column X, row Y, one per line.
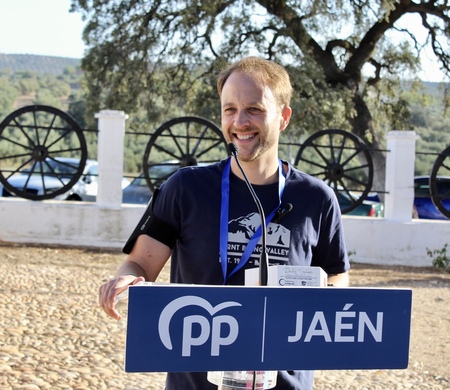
column 173, row 328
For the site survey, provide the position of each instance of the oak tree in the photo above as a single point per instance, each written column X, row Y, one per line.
column 347, row 58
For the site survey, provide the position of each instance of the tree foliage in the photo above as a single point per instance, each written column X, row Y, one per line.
column 428, row 115
column 162, row 55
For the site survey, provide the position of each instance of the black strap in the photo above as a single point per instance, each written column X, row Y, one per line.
column 153, row 227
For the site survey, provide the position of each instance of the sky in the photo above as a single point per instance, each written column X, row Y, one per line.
column 46, row 27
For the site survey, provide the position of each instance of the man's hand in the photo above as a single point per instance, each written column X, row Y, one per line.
column 110, row 290
column 339, row 280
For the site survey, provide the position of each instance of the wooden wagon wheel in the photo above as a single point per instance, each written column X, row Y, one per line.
column 181, row 142
column 342, row 160
column 30, row 140
column 440, row 194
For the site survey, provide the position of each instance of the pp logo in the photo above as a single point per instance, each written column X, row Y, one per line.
column 207, row 329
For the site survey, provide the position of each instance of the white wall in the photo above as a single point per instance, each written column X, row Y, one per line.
column 67, row 223
column 395, row 239
column 383, row 241
column 370, row 240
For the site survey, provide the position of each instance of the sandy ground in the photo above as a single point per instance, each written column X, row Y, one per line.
column 53, row 334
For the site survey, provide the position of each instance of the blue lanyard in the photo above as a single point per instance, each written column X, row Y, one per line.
column 224, row 211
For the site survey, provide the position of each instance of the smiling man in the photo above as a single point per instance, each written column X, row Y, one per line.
column 201, row 208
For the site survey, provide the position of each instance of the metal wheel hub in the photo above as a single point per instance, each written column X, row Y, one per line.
column 40, row 153
column 188, row 161
column 335, row 171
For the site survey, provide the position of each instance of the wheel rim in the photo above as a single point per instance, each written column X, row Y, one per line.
column 30, row 139
column 181, row 142
column 342, row 160
column 439, row 196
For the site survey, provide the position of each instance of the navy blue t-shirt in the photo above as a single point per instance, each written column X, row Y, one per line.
column 189, row 203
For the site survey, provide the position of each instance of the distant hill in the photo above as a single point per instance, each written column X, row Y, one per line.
column 36, row 63
column 435, row 88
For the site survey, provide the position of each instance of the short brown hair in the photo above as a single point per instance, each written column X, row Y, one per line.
column 268, row 72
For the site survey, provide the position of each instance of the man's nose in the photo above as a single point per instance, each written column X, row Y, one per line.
column 241, row 120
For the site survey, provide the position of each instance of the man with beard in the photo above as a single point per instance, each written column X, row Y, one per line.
column 184, row 220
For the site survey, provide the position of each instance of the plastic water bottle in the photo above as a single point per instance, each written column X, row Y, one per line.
column 252, row 380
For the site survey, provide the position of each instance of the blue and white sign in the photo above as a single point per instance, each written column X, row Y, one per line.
column 225, row 328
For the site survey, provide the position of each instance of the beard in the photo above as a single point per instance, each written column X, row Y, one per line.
column 255, row 149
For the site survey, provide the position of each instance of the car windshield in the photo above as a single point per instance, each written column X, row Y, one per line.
column 422, row 186
column 62, row 168
column 139, row 182
column 158, row 174
column 443, row 186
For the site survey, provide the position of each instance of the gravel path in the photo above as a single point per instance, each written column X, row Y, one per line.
column 54, row 336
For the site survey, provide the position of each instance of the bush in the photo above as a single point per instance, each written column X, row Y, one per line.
column 440, row 258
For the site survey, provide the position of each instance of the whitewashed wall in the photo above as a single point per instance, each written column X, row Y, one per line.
column 395, row 239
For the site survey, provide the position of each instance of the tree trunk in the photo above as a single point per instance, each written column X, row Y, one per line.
column 363, row 126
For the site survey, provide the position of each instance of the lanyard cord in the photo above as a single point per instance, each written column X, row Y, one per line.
column 224, row 214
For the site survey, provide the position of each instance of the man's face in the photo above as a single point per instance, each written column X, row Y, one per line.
column 251, row 117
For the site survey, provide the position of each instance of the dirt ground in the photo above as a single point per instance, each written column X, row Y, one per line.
column 430, row 322
column 430, row 340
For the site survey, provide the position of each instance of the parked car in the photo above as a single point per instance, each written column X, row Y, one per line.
column 138, row 192
column 423, row 204
column 40, row 182
column 370, row 207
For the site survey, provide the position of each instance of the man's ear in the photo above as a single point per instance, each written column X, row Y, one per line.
column 285, row 117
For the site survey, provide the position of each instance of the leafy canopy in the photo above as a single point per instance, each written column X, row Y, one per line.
column 348, row 59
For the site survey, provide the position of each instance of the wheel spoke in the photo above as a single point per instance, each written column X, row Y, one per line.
column 200, row 138
column 331, row 147
column 313, row 163
column 19, row 169
column 213, row 146
column 349, row 196
column 64, row 135
column 446, row 168
column 365, row 166
column 317, row 149
column 341, row 149
column 161, row 149
column 53, row 173
column 15, row 143
column 36, row 133
column 320, row 173
column 351, row 157
column 175, row 140
column 50, row 128
column 188, row 140
column 17, row 156
column 443, row 196
column 64, row 151
column 32, row 143
column 354, row 180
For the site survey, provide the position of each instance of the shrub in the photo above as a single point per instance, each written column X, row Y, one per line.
column 440, row 258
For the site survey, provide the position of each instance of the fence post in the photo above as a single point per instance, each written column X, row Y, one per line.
column 399, row 199
column 110, row 155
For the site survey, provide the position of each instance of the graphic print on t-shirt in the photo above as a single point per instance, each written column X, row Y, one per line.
column 241, row 230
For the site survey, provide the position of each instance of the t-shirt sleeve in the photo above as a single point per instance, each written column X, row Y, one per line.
column 152, row 226
column 331, row 253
